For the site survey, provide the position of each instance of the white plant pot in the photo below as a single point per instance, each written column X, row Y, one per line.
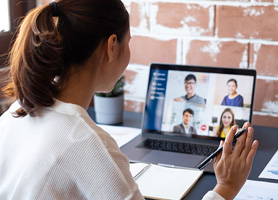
column 109, row 110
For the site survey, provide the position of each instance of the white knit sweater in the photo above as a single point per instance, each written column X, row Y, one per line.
column 62, row 154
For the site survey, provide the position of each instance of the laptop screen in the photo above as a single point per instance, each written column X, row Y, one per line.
column 197, row 101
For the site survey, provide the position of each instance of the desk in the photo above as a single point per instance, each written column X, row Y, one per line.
column 267, row 138
column 268, row 145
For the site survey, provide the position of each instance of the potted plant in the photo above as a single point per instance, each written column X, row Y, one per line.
column 109, row 107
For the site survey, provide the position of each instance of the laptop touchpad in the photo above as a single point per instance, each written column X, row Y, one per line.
column 179, row 159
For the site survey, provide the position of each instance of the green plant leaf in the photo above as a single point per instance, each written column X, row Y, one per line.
column 116, row 91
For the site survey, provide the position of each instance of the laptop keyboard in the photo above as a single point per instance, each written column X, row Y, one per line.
column 180, row 147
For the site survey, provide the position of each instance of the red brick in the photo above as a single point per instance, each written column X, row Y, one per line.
column 136, row 87
column 266, row 96
column 254, row 22
column 145, row 50
column 217, row 53
column 134, row 14
column 134, row 106
column 264, row 59
column 139, row 16
column 265, row 120
column 180, row 18
column 129, row 77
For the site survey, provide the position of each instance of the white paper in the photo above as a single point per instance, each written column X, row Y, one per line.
column 159, row 182
column 254, row 190
column 121, row 134
column 135, row 168
column 271, row 169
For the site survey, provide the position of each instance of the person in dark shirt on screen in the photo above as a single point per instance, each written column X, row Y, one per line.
column 185, row 127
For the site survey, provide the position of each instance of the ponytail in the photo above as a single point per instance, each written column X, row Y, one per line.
column 35, row 60
column 48, row 46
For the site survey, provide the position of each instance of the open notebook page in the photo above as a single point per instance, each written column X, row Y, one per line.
column 159, row 182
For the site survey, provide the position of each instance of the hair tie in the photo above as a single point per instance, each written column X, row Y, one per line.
column 55, row 12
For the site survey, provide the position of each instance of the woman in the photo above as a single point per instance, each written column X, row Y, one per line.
column 49, row 146
column 227, row 120
column 233, row 98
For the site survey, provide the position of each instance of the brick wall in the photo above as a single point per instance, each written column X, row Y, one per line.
column 227, row 33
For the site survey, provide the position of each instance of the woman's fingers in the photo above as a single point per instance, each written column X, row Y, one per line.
column 252, row 152
column 240, row 144
column 218, row 157
column 246, row 125
column 233, row 167
column 227, row 149
column 248, row 142
column 243, row 143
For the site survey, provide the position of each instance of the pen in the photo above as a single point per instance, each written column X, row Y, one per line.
column 203, row 164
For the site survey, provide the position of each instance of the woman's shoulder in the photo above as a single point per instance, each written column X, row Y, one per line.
column 234, row 98
column 94, row 134
column 238, row 98
column 74, row 123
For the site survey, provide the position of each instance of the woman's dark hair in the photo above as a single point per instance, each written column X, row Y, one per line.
column 46, row 46
column 230, row 80
column 221, row 127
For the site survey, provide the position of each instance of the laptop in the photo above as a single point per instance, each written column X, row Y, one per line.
column 188, row 110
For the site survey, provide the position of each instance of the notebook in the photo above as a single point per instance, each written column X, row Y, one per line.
column 188, row 109
column 154, row 180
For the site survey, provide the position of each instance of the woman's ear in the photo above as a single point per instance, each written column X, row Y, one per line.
column 111, row 46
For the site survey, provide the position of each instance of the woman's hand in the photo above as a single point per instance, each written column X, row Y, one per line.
column 232, row 166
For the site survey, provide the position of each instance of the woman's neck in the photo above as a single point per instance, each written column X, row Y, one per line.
column 233, row 95
column 78, row 88
column 83, row 80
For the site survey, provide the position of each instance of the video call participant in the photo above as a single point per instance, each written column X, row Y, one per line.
column 227, row 120
column 50, row 148
column 233, row 98
column 190, row 83
column 185, row 127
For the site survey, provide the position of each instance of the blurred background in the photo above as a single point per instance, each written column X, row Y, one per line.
column 227, row 33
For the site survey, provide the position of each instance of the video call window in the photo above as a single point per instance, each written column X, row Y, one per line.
column 200, row 104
